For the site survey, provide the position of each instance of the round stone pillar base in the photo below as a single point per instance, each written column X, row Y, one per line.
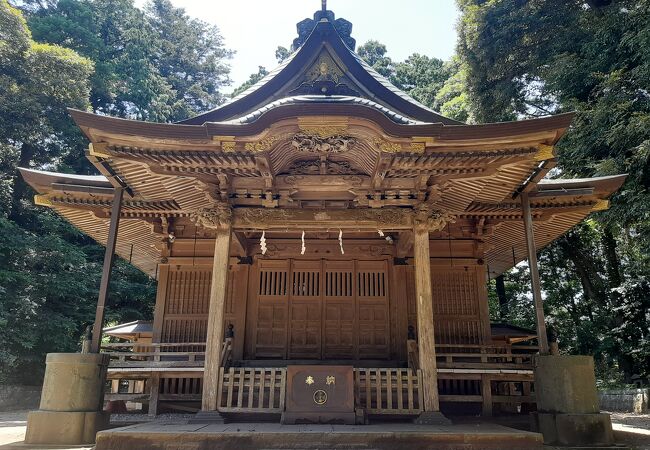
column 70, row 412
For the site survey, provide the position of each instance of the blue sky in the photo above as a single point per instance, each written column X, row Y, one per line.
column 254, row 28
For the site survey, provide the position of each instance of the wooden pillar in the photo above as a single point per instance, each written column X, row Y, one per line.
column 215, row 335
column 486, row 393
column 109, row 256
column 534, row 274
column 426, row 337
column 154, row 394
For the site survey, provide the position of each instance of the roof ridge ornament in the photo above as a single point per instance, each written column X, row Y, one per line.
column 306, row 26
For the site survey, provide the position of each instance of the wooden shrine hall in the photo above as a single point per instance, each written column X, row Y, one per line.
column 322, row 244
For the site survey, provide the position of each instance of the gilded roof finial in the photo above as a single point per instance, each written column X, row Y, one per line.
column 324, row 5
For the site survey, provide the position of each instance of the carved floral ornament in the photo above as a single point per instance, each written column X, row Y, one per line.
column 316, row 143
column 218, row 216
column 427, row 218
column 382, row 218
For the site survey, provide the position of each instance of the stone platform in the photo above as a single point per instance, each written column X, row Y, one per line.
column 270, row 436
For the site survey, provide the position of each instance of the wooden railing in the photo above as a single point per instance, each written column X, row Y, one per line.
column 388, row 391
column 252, row 390
column 138, row 354
column 488, row 375
column 484, row 356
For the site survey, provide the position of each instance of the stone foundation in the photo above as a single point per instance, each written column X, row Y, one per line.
column 65, row 428
column 70, row 412
column 567, row 402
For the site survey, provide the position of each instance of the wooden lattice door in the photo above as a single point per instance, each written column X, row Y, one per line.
column 321, row 310
column 373, row 310
column 272, row 310
column 339, row 311
column 305, row 310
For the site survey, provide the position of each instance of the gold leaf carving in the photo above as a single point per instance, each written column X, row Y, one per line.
column 544, row 152
column 228, row 146
column 41, row 200
column 324, row 131
column 262, row 145
column 417, row 147
column 601, row 205
column 324, row 70
column 313, row 143
column 388, row 147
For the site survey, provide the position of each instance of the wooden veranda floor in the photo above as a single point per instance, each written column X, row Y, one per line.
column 164, row 435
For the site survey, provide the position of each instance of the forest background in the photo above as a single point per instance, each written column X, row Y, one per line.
column 515, row 59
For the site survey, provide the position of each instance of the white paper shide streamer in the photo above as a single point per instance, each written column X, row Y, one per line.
column 263, row 243
column 341, row 241
column 303, row 249
column 381, row 233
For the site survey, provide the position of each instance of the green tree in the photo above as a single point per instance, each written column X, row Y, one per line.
column 37, row 83
column 252, row 80
column 374, row 53
column 49, row 272
column 281, row 54
column 533, row 58
column 158, row 64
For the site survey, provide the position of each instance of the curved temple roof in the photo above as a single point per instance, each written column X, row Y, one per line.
column 323, row 66
column 321, row 132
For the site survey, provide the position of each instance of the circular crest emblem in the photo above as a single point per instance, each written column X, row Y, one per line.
column 320, row 397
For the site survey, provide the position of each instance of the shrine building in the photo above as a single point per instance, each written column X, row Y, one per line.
column 322, row 226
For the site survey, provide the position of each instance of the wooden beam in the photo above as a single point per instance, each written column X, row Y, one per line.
column 426, row 336
column 404, row 244
column 386, row 219
column 215, row 335
column 241, row 242
column 534, row 274
column 109, row 256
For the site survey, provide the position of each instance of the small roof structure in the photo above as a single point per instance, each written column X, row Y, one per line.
column 511, row 334
column 130, row 330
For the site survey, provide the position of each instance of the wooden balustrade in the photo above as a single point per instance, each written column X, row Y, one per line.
column 157, row 354
column 484, row 356
column 489, row 375
column 388, row 391
column 252, row 390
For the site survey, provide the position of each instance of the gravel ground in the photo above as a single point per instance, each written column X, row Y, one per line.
column 629, row 429
column 632, row 429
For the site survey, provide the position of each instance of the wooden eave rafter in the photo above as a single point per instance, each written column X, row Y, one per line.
column 503, row 227
column 389, row 162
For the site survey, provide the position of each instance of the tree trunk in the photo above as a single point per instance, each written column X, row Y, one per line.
column 19, row 186
column 503, row 299
column 613, row 262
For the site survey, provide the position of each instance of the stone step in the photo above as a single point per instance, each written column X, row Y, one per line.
column 273, row 436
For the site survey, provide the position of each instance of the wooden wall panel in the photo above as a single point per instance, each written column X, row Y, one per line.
column 456, row 305
column 459, row 302
column 182, row 304
column 186, row 306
